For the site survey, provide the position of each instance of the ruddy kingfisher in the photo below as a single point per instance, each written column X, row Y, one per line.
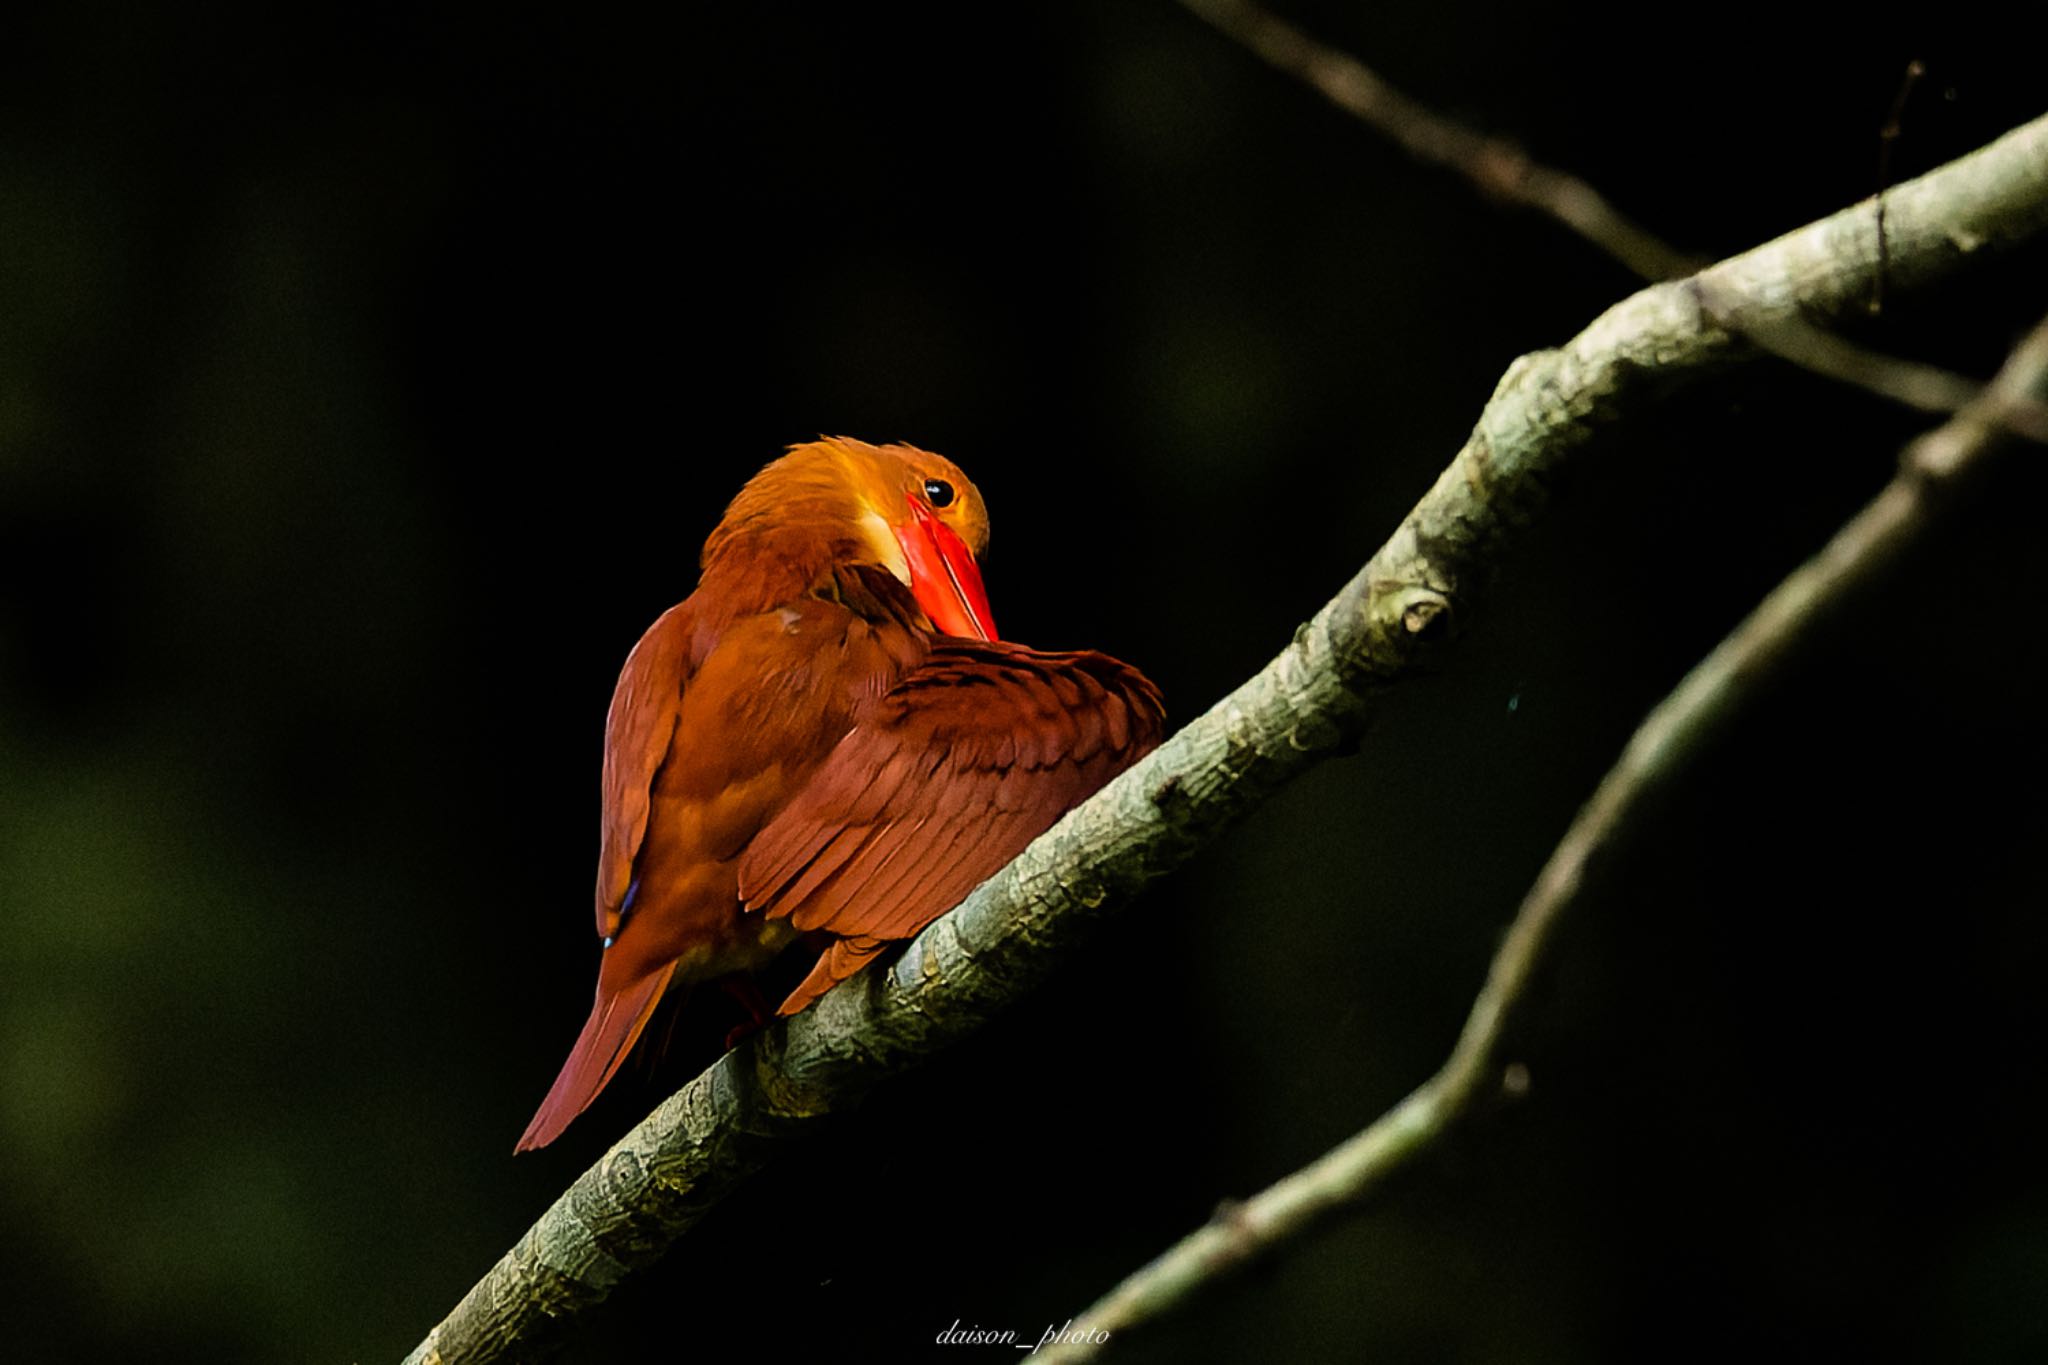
column 827, row 741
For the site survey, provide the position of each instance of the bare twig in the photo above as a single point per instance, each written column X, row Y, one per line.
column 1497, row 166
column 1887, row 137
column 1692, row 714
column 1504, row 171
column 783, row 1083
column 1924, row 388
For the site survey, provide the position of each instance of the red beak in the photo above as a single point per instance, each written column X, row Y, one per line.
column 943, row 575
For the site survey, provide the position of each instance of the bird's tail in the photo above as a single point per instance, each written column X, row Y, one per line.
column 615, row 1022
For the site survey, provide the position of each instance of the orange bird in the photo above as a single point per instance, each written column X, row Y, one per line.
column 826, row 738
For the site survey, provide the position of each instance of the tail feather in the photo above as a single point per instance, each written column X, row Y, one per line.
column 615, row 1022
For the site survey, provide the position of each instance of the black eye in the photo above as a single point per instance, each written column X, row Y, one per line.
column 938, row 492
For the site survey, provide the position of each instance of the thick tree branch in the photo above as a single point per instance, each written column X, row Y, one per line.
column 658, row 1180
column 1681, row 724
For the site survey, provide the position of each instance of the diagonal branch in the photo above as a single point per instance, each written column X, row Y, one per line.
column 658, row 1180
column 1348, row 1175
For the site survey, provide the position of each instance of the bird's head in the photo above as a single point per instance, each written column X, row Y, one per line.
column 907, row 510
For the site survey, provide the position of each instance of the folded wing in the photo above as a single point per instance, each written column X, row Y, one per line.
column 639, row 731
column 971, row 756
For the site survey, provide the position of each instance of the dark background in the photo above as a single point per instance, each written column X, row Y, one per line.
column 369, row 379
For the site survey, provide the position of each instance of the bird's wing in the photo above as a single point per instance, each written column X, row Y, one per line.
column 638, row 733
column 971, row 756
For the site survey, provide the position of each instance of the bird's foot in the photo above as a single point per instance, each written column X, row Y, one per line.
column 740, row 986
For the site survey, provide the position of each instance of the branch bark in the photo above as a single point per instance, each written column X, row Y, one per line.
column 659, row 1179
column 1349, row 1174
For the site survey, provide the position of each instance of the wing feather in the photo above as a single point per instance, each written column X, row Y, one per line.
column 639, row 733
column 971, row 756
column 829, row 860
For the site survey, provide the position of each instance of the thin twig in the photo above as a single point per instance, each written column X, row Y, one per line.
column 1694, row 713
column 1924, row 388
column 1887, row 136
column 1497, row 166
column 787, row 1081
column 1501, row 169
